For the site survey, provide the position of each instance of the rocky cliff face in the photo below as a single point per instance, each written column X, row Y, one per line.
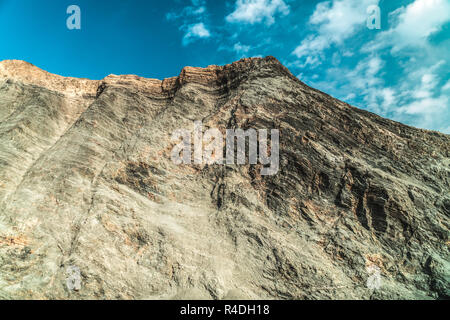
column 92, row 207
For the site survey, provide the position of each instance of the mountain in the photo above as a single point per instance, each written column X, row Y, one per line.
column 93, row 207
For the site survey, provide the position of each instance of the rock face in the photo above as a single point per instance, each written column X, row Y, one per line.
column 92, row 207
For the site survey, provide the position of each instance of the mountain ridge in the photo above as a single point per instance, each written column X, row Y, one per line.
column 31, row 74
column 26, row 72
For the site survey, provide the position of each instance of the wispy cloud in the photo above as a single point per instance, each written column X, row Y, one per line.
column 240, row 48
column 414, row 24
column 256, row 11
column 423, row 102
column 197, row 8
column 398, row 72
column 446, row 86
column 332, row 23
column 196, row 31
column 420, row 101
column 193, row 21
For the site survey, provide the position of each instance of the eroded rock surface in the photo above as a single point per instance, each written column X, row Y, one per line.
column 92, row 207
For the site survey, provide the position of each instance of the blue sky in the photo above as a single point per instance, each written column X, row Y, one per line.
column 400, row 71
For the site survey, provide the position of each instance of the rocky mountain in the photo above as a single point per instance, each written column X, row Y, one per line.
column 93, row 207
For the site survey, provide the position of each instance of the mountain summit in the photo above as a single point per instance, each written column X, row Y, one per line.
column 93, row 207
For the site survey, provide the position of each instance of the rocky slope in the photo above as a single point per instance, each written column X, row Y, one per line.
column 92, row 207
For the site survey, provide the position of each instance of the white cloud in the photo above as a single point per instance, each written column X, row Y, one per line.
column 428, row 84
column 417, row 100
column 197, row 7
column 374, row 65
column 196, row 31
column 312, row 45
column 338, row 20
column 350, row 96
column 414, row 24
column 421, row 82
column 426, row 113
column 424, row 103
column 407, row 89
column 446, row 86
column 256, row 11
column 335, row 22
column 389, row 97
column 425, row 106
column 240, row 48
column 366, row 74
column 192, row 19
